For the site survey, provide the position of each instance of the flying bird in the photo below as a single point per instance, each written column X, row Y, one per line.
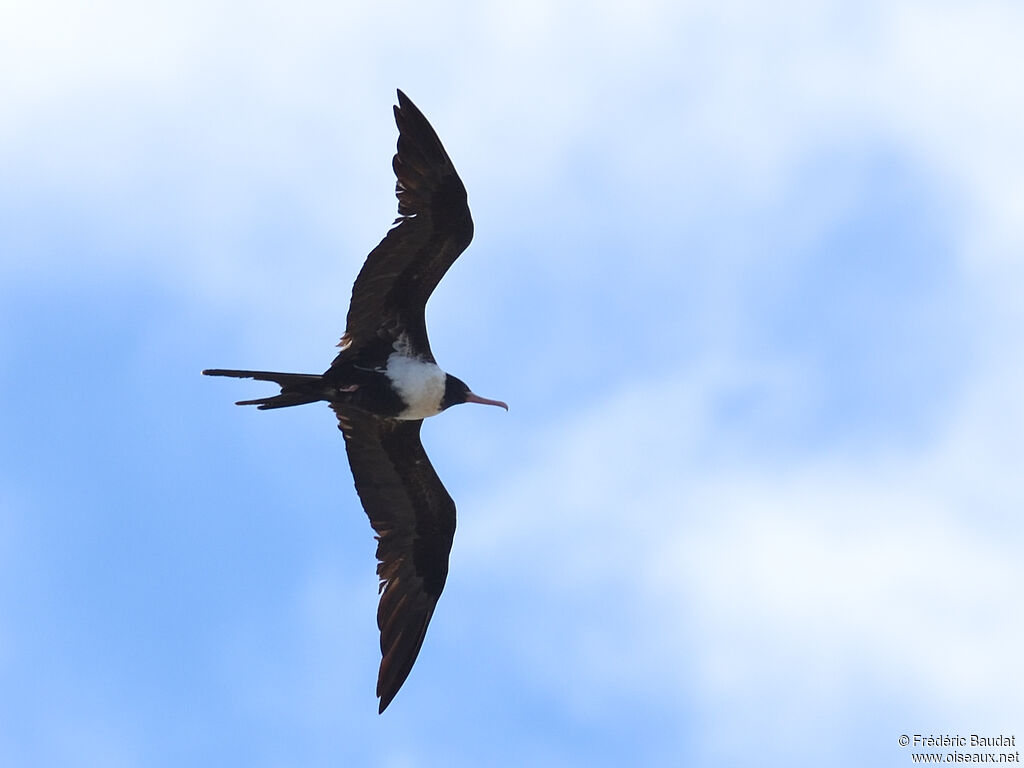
column 385, row 381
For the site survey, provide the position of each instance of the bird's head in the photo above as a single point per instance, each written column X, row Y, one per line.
column 456, row 392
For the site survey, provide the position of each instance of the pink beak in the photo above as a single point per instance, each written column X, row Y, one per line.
column 471, row 398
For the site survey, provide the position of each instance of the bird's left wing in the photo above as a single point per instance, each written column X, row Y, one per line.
column 414, row 518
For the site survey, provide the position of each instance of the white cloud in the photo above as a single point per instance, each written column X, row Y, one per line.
column 781, row 591
column 668, row 98
column 234, row 155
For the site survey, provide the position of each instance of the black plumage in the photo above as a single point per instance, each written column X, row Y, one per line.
column 385, row 380
column 433, row 228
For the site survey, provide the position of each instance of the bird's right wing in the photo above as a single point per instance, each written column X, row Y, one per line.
column 414, row 518
column 433, row 228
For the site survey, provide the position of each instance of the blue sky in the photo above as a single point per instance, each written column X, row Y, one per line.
column 751, row 279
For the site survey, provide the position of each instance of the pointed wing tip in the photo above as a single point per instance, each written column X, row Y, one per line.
column 406, row 110
column 388, row 689
column 404, row 102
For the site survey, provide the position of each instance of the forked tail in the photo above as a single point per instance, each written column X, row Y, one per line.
column 296, row 388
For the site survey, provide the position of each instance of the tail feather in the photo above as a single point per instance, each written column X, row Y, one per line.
column 296, row 388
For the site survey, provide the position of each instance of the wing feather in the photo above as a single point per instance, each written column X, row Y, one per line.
column 433, row 228
column 414, row 518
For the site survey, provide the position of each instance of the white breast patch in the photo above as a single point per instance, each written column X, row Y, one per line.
column 419, row 383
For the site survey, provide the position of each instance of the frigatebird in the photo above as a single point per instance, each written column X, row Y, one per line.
column 385, row 381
